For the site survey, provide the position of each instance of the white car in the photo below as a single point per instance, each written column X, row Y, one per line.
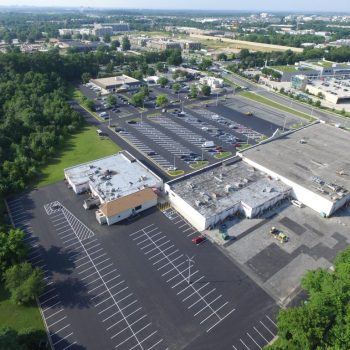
column 297, row 203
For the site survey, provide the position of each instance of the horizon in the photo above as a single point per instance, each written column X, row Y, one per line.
column 297, row 6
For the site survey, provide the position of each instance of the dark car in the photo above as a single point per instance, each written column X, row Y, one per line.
column 152, row 153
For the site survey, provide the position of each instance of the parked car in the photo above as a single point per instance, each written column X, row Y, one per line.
column 198, row 239
column 297, row 203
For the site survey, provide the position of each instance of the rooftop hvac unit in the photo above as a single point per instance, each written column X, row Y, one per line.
column 229, row 188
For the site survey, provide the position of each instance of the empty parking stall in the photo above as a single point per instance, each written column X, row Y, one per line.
column 118, row 310
column 200, row 297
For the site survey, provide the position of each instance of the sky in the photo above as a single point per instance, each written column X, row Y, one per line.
column 272, row 5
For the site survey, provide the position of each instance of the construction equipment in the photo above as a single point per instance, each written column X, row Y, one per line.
column 279, row 235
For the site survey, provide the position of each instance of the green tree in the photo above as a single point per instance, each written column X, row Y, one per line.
column 150, row 71
column 138, row 99
column 9, row 339
column 126, row 43
column 161, row 67
column 205, row 64
column 174, row 57
column 144, row 90
column 206, row 90
column 33, row 339
column 109, row 68
column 24, row 282
column 323, row 321
column 194, row 91
column 115, row 44
column 162, row 81
column 111, row 100
column 107, row 38
column 89, row 104
column 222, row 57
column 176, row 88
column 85, row 77
column 12, row 248
column 161, row 100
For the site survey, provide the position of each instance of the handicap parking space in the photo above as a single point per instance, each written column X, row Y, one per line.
column 205, row 302
column 118, row 310
column 180, row 222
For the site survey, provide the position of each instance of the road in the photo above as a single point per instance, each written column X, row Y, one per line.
column 310, row 110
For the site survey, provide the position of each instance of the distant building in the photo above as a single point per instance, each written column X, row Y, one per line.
column 191, row 45
column 163, row 44
column 139, row 41
column 299, row 81
column 116, row 84
column 120, row 186
column 213, row 82
column 332, row 90
column 102, row 29
column 78, row 45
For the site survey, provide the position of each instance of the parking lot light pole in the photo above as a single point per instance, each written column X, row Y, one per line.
column 190, row 261
column 202, row 154
column 217, row 99
column 109, row 119
column 182, row 106
column 141, row 117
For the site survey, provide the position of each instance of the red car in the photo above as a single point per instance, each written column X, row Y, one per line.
column 198, row 239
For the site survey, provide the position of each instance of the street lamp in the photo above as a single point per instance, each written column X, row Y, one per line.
column 190, row 260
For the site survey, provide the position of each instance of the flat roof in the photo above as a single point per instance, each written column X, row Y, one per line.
column 316, row 157
column 221, row 187
column 133, row 200
column 118, row 80
column 340, row 88
column 113, row 177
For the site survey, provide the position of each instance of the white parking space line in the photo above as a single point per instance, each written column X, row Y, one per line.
column 175, row 270
column 263, row 324
column 254, row 341
column 271, row 321
column 256, row 330
column 109, row 299
column 244, row 344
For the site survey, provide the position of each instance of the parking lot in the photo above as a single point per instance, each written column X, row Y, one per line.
column 127, row 286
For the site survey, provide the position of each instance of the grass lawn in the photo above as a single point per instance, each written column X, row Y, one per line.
column 175, row 172
column 81, row 147
column 243, row 146
column 200, row 164
column 18, row 317
column 75, row 94
column 276, row 105
column 222, row 155
column 285, row 68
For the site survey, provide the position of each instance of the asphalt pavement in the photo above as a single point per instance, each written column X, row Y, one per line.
column 131, row 286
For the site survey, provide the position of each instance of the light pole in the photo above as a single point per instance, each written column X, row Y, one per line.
column 190, row 260
column 284, row 124
column 141, row 117
column 202, row 154
column 217, row 99
column 109, row 119
column 182, row 106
